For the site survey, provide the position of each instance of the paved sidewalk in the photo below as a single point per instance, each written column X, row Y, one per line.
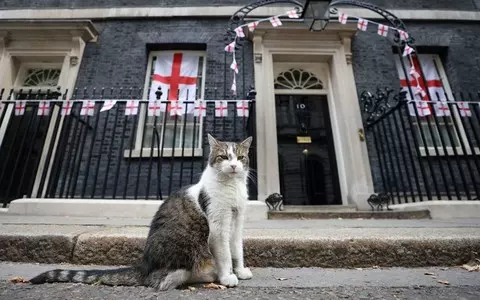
column 269, row 243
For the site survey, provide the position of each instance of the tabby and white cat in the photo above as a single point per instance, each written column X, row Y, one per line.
column 196, row 234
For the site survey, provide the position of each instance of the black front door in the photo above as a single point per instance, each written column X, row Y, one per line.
column 306, row 154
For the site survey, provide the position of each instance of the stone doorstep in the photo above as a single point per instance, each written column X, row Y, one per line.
column 302, row 215
column 106, row 208
column 357, row 247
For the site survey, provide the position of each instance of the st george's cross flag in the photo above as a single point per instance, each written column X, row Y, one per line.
column 20, row 107
column 43, row 108
column 109, row 104
column 66, row 109
column 176, row 74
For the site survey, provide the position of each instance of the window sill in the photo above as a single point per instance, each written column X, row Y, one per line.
column 167, row 152
column 450, row 152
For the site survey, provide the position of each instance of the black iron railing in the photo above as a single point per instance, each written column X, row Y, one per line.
column 417, row 157
column 110, row 154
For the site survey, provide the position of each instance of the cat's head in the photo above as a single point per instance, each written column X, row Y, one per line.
column 229, row 158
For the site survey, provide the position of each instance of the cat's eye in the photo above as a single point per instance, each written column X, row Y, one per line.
column 223, row 157
column 240, row 157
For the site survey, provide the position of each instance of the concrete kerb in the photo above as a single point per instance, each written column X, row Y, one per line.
column 123, row 246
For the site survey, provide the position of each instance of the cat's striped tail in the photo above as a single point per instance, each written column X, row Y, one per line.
column 128, row 276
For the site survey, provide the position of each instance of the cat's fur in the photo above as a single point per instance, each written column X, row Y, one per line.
column 196, row 234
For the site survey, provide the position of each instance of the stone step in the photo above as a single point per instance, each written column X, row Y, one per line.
column 331, row 214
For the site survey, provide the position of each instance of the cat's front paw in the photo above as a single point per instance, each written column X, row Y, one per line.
column 243, row 273
column 229, row 280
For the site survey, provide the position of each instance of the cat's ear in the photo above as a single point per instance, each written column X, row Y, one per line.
column 212, row 141
column 247, row 142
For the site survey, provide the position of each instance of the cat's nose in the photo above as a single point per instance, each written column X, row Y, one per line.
column 233, row 167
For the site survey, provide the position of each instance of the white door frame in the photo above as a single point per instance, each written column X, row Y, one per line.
column 332, row 47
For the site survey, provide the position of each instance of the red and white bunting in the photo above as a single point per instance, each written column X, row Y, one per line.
column 239, row 31
column 242, row 108
column 419, row 91
column 43, row 108
column 403, row 35
column 362, row 24
column 343, row 18
column 221, row 108
column 464, row 109
column 88, row 108
column 200, row 109
column 154, row 108
column 109, row 104
column 234, row 66
column 442, row 109
column 230, row 47
column 408, row 50
column 176, row 108
column 131, row 109
column 382, row 30
column 234, row 86
column 275, row 21
column 20, row 107
column 252, row 26
column 414, row 72
column 66, row 108
column 292, row 14
column 423, row 109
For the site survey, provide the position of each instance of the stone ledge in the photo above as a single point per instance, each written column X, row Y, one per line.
column 259, row 252
column 295, row 215
column 36, row 249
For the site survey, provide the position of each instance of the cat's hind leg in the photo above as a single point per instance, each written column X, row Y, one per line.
column 164, row 280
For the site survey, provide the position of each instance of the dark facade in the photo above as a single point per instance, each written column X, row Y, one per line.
column 119, row 59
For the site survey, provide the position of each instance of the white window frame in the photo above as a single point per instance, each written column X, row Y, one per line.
column 461, row 136
column 142, row 151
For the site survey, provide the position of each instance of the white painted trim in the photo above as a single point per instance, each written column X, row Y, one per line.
column 218, row 11
column 104, row 208
column 444, row 209
column 333, row 47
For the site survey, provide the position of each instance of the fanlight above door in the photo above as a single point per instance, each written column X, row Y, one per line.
column 297, row 79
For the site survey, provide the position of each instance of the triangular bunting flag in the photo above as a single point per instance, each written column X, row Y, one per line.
column 109, row 104
column 43, row 108
column 234, row 86
column 239, row 31
column 66, row 108
column 403, row 35
column 382, row 30
column 176, row 108
column 242, row 108
column 234, row 66
column 275, row 21
column 442, row 109
column 408, row 50
column 20, row 107
column 131, row 109
column 154, row 108
column 464, row 109
column 292, row 14
column 362, row 24
column 342, row 18
column 200, row 109
column 88, row 108
column 230, row 47
column 252, row 26
column 221, row 108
